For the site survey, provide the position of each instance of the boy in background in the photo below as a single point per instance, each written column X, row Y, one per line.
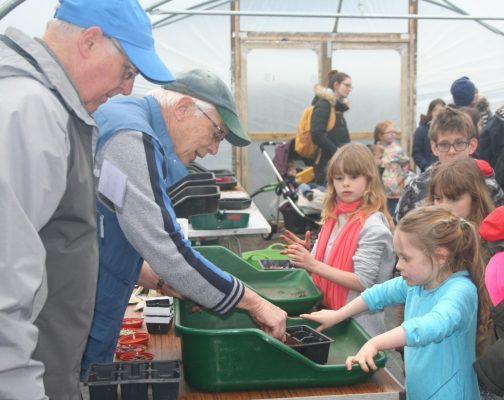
column 452, row 136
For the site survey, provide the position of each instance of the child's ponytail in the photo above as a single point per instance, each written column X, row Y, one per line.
column 469, row 254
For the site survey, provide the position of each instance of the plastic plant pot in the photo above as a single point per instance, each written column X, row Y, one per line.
column 165, row 303
column 157, row 328
column 129, row 323
column 126, row 348
column 158, row 308
column 165, row 379
column 309, row 342
column 135, row 380
column 102, row 381
column 134, row 338
column 135, row 356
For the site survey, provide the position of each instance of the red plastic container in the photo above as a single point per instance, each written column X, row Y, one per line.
column 136, row 356
column 129, row 323
column 126, row 348
column 134, row 338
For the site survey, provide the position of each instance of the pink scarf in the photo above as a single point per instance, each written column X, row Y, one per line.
column 341, row 253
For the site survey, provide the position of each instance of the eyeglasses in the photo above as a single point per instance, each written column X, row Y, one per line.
column 217, row 135
column 457, row 146
column 129, row 69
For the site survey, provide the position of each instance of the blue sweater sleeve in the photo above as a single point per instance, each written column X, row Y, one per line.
column 388, row 293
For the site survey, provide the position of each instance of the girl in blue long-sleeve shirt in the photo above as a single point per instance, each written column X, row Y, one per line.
column 446, row 306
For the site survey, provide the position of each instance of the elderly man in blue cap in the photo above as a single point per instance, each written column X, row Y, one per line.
column 144, row 146
column 91, row 51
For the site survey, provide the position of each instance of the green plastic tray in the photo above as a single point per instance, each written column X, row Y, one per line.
column 269, row 253
column 220, row 220
column 292, row 290
column 222, row 353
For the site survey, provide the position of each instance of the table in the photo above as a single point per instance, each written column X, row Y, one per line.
column 382, row 385
column 257, row 223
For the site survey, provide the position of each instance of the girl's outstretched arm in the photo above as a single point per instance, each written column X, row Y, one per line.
column 389, row 340
column 328, row 318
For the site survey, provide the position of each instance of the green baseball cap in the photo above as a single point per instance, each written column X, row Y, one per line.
column 205, row 85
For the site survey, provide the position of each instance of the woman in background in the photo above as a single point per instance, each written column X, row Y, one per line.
column 334, row 95
column 422, row 152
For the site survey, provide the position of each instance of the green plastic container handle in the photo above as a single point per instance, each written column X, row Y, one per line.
column 274, row 245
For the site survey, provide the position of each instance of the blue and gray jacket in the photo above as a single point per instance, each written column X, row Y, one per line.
column 140, row 224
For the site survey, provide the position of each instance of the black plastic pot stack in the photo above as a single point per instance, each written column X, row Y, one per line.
column 310, row 343
column 134, row 378
column 158, row 314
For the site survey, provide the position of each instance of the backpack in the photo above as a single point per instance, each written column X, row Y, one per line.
column 304, row 145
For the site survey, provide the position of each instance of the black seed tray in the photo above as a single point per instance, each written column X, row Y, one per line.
column 192, row 179
column 234, row 203
column 309, row 342
column 196, row 200
column 134, row 378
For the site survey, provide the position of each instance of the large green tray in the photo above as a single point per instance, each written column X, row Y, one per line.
column 291, row 290
column 222, row 353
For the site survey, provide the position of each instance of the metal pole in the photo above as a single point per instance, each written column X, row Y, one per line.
column 330, row 15
column 7, row 6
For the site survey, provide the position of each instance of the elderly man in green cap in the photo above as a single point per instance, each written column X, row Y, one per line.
column 144, row 146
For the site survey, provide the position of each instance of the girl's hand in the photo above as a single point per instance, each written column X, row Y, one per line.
column 290, row 238
column 326, row 318
column 300, row 256
column 364, row 357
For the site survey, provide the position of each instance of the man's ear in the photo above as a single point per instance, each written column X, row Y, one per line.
column 88, row 39
column 184, row 108
column 473, row 144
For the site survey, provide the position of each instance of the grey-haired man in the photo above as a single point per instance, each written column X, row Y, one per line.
column 91, row 51
column 144, row 146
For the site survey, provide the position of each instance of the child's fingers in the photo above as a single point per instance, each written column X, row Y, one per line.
column 349, row 361
column 371, row 363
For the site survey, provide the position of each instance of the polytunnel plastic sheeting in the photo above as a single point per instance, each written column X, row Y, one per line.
column 446, row 51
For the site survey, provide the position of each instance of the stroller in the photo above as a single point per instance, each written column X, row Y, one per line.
column 295, row 219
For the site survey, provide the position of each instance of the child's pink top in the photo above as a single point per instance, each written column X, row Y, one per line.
column 494, row 278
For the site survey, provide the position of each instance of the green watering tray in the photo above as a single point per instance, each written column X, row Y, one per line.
column 269, row 253
column 292, row 290
column 220, row 220
column 222, row 353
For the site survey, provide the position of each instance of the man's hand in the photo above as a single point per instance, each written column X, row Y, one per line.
column 270, row 318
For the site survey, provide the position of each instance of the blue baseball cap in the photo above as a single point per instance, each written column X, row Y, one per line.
column 125, row 21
